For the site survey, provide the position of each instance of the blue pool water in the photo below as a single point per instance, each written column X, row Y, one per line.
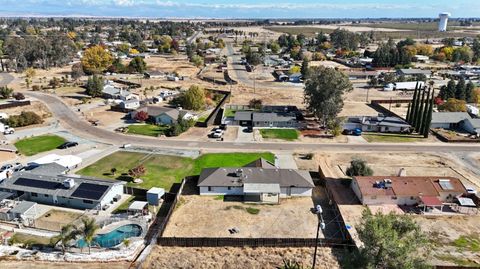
column 114, row 237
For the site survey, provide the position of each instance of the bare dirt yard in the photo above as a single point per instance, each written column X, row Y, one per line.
column 179, row 64
column 214, row 217
column 55, row 219
column 38, row 107
column 62, row 265
column 245, row 258
column 241, row 95
column 455, row 239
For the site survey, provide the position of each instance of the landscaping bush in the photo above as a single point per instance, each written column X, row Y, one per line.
column 24, row 119
column 359, row 167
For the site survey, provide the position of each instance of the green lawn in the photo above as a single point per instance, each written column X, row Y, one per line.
column 147, row 129
column 29, row 240
column 285, row 134
column 163, row 170
column 229, row 112
column 391, row 138
column 34, row 145
column 202, row 118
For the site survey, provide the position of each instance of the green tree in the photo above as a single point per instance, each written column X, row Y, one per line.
column 469, row 92
column 137, row 65
column 68, row 233
column 197, row 60
column 94, row 86
column 454, row 105
column 460, row 90
column 255, row 103
column 324, row 89
column 451, row 89
column 373, row 82
column 389, row 241
column 359, row 167
column 305, row 70
column 194, row 98
column 88, row 230
column 77, row 71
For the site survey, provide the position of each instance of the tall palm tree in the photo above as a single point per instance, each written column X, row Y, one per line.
column 88, row 231
column 68, row 233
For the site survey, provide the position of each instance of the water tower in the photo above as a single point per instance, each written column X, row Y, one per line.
column 442, row 24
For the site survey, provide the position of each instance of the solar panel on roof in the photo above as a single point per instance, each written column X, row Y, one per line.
column 90, row 191
column 35, row 183
column 445, row 184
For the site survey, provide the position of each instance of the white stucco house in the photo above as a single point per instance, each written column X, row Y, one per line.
column 259, row 181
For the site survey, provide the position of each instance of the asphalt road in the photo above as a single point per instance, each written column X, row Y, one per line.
column 75, row 124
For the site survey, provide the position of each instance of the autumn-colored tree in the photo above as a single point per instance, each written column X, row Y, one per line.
column 141, row 116
column 96, row 60
column 454, row 105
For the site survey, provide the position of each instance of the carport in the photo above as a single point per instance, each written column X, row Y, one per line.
column 431, row 202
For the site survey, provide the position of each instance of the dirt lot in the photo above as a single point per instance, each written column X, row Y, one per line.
column 213, row 218
column 55, row 219
column 7, row 156
column 245, row 258
column 178, row 64
column 35, row 106
column 241, row 95
column 444, row 233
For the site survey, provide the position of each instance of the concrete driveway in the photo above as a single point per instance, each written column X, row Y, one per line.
column 243, row 136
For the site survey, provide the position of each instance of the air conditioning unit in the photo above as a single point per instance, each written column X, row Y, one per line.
column 69, row 183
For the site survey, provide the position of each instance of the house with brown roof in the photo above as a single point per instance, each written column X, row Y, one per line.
column 407, row 190
column 259, row 181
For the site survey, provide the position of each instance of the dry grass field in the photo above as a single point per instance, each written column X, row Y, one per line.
column 244, row 258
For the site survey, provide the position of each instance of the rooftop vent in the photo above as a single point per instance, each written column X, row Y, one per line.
column 69, row 183
column 387, row 183
column 239, row 172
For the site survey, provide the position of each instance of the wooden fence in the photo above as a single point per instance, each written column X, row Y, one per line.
column 163, row 220
column 211, row 118
column 250, row 242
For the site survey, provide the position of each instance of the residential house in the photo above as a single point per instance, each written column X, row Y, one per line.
column 259, row 181
column 265, row 119
column 68, row 191
column 455, row 120
column 406, row 190
column 110, row 91
column 414, row 72
column 131, row 104
column 379, row 124
column 164, row 115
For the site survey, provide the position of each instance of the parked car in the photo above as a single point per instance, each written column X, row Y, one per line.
column 67, row 145
column 18, row 167
column 356, row 132
column 471, row 190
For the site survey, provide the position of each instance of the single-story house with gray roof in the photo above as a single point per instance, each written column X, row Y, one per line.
column 163, row 115
column 265, row 119
column 379, row 124
column 259, row 181
column 455, row 120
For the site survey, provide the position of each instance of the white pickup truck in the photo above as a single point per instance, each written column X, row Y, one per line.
column 5, row 129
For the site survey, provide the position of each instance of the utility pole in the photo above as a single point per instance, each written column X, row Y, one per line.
column 321, row 225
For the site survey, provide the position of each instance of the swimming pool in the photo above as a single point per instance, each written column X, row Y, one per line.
column 114, row 237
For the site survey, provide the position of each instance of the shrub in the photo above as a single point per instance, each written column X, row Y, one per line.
column 19, row 96
column 141, row 116
column 5, row 92
column 24, row 119
column 359, row 167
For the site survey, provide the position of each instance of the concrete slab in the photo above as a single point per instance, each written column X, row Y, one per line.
column 244, row 136
column 285, row 161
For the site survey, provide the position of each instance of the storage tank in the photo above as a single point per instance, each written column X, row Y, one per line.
column 442, row 24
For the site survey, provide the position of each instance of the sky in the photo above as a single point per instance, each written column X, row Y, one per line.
column 242, row 8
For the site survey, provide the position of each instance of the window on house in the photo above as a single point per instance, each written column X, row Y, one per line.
column 87, row 202
column 209, row 188
column 229, row 188
column 46, row 195
column 33, row 194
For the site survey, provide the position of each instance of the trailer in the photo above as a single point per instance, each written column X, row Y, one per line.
column 403, row 86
